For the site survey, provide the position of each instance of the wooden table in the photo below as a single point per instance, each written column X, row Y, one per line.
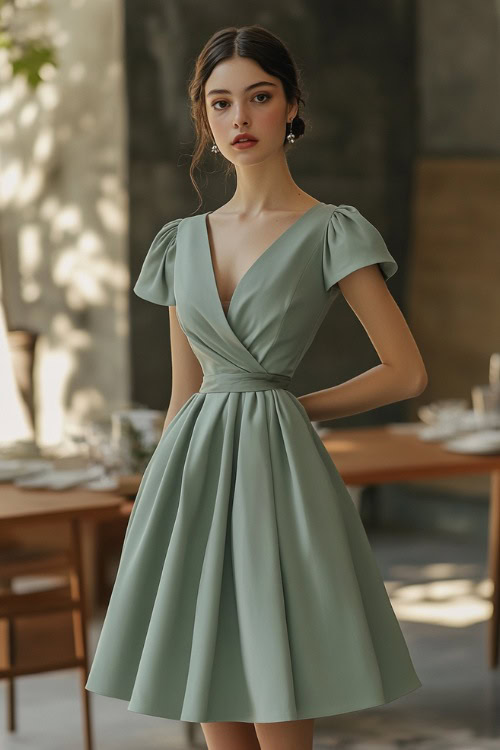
column 377, row 455
column 44, row 519
column 41, row 514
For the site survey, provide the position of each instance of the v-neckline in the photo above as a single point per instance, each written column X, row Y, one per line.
column 226, row 312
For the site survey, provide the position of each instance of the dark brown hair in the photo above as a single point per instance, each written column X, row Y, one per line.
column 268, row 51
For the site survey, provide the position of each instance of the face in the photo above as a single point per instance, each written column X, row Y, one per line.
column 240, row 97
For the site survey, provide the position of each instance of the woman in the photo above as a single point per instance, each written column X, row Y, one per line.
column 247, row 596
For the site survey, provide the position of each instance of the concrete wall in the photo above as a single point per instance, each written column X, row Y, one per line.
column 64, row 213
column 459, row 78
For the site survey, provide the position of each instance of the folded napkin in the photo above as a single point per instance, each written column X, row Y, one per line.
column 12, row 468
column 61, row 479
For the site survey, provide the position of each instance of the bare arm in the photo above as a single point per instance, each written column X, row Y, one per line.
column 400, row 375
column 187, row 374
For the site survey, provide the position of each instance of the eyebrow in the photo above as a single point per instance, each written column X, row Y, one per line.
column 248, row 88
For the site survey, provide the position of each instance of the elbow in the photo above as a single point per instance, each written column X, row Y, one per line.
column 411, row 383
column 419, row 383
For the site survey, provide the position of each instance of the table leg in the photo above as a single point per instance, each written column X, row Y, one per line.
column 494, row 568
column 88, row 533
column 80, row 623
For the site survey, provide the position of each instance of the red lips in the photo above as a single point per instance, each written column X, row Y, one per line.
column 246, row 136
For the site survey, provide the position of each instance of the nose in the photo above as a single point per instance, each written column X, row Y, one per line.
column 240, row 118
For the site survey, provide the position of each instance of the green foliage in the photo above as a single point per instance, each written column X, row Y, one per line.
column 30, row 62
column 27, row 56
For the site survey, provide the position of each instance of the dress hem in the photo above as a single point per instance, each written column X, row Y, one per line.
column 312, row 713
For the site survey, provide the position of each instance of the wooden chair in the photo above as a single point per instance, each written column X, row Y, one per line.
column 16, row 562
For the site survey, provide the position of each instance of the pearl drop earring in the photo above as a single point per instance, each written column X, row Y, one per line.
column 215, row 148
column 290, row 137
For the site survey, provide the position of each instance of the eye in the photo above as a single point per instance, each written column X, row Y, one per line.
column 264, row 94
column 223, row 101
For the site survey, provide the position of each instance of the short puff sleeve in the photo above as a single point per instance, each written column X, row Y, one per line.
column 352, row 242
column 155, row 282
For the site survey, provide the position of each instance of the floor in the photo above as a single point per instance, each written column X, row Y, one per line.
column 439, row 591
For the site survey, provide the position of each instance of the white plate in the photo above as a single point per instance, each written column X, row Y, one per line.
column 485, row 441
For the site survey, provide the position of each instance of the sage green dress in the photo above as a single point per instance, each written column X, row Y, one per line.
column 247, row 589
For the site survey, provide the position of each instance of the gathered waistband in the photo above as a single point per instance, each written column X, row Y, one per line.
column 224, row 382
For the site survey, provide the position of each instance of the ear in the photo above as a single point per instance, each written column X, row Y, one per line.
column 292, row 109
